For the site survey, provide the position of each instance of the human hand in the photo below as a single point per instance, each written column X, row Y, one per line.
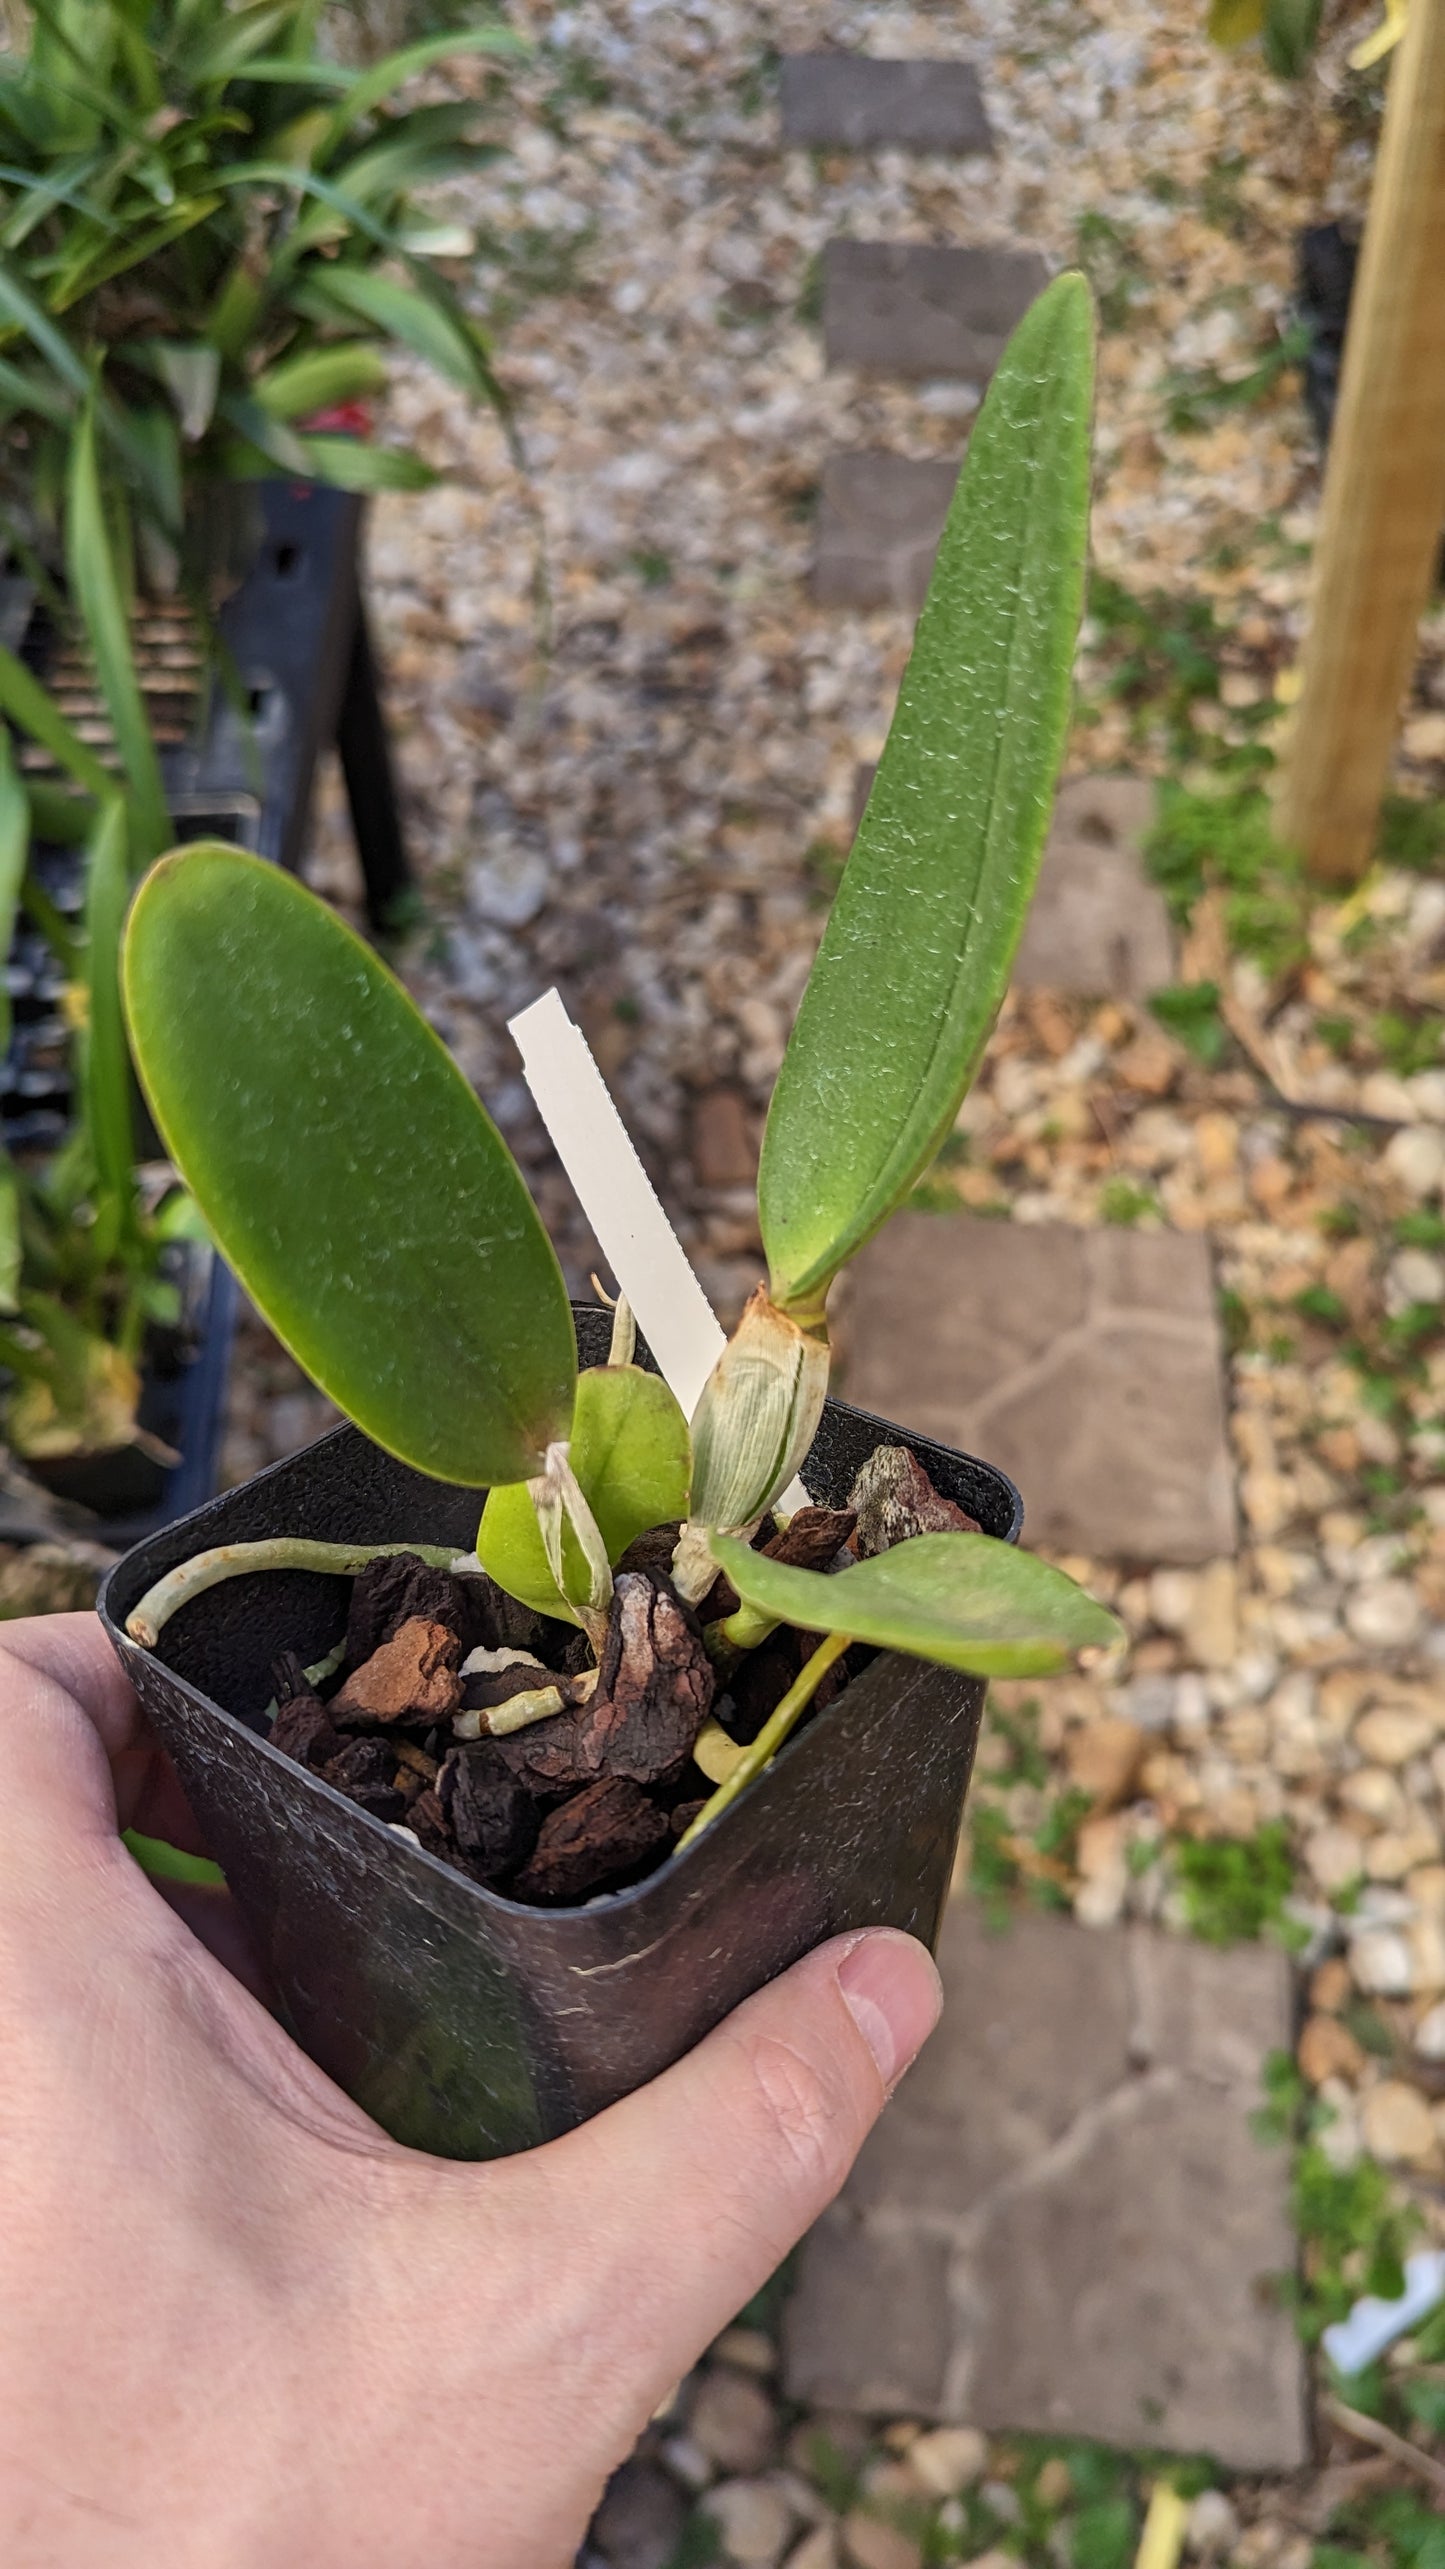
column 242, row 2329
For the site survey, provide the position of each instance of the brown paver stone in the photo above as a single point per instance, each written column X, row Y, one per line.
column 924, row 309
column 1071, row 2177
column 878, row 528
column 862, row 102
column 1097, row 923
column 1087, row 1363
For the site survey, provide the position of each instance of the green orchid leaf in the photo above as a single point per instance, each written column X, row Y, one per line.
column 320, row 378
column 167, row 1863
column 964, row 1600
column 420, row 321
column 228, row 46
column 346, row 1169
column 191, row 373
column 916, row 955
column 25, row 701
column 105, row 1061
column 349, row 464
column 383, row 79
column 14, row 850
column 19, row 310
column 96, row 588
column 632, row 1455
column 12, row 1244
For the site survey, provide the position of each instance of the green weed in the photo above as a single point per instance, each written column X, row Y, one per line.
column 1235, row 1889
column 1191, row 1011
column 1125, row 1204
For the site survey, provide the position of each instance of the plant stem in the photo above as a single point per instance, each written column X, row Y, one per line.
column 770, row 1738
column 744, row 1630
column 283, row 1552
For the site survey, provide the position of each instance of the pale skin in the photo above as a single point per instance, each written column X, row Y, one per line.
column 239, row 2327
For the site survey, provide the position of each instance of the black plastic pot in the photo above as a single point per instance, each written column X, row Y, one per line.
column 465, row 2023
column 119, row 1495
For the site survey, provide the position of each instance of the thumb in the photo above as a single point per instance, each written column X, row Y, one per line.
column 693, row 2190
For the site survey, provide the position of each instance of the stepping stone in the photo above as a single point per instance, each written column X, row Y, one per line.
column 863, row 102
column 1097, row 923
column 878, row 528
column 1087, row 1363
column 917, row 309
column 1064, row 2224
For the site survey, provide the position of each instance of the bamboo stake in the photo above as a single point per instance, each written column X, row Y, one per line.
column 1384, row 498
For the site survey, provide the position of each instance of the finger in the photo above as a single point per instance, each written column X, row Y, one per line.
column 680, row 2202
column 73, row 1651
column 80, row 1753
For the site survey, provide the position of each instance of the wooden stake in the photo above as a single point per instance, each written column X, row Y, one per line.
column 1384, row 498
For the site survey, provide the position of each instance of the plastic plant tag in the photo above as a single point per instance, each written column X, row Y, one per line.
column 616, row 1194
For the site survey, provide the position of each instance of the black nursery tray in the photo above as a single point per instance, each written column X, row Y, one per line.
column 464, row 2022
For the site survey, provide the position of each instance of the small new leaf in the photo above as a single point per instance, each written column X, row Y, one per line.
column 630, row 1450
column 964, row 1600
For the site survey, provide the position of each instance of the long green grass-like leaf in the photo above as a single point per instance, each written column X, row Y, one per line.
column 19, row 308
column 385, row 78
column 346, row 1169
column 225, row 51
column 22, row 391
column 14, row 851
column 106, row 1073
column 96, row 591
column 916, row 955
column 319, row 378
column 349, row 465
column 443, row 338
column 40, row 195
column 101, row 266
column 25, row 702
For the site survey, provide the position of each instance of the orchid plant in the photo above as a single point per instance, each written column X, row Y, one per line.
column 374, row 1213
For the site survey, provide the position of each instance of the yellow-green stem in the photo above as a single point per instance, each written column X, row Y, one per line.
column 770, row 1738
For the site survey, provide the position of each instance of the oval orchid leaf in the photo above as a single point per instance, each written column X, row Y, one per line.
column 632, row 1454
column 918, row 949
column 965, row 1600
column 346, row 1169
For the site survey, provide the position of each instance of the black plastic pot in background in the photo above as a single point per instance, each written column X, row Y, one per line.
column 465, row 2023
column 1325, row 263
column 125, row 1493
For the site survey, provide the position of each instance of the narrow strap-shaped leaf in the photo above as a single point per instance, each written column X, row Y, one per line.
column 96, row 591
column 347, row 1171
column 14, row 851
column 232, row 39
column 384, row 78
column 417, row 320
column 964, row 1600
column 22, row 391
column 12, row 1246
column 19, row 308
column 25, row 702
column 916, row 955
column 105, row 1059
column 319, row 377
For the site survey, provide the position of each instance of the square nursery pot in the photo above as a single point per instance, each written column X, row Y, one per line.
column 463, row 2022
